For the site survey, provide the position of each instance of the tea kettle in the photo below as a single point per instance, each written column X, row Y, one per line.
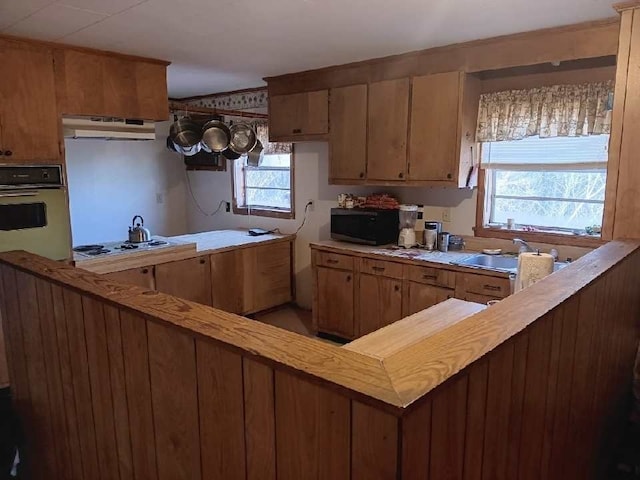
column 137, row 232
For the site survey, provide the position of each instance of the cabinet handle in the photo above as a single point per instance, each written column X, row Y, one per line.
column 397, row 288
column 202, row 261
column 1, row 153
column 331, row 261
column 430, row 277
column 449, row 176
column 8, row 153
column 361, row 174
column 378, row 269
column 449, row 296
column 401, row 175
column 493, row 288
column 348, row 278
column 145, row 270
column 296, row 130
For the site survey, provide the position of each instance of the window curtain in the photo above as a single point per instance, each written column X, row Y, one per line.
column 555, row 111
column 270, row 148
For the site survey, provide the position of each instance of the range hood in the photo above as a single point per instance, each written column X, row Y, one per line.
column 108, row 128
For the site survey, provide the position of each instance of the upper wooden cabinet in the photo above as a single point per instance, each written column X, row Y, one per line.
column 444, row 109
column 105, row 85
column 387, row 121
column 299, row 116
column 348, row 133
column 29, row 125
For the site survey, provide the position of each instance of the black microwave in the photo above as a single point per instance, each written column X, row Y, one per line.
column 365, row 226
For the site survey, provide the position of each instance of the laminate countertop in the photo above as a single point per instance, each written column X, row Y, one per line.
column 413, row 256
column 180, row 247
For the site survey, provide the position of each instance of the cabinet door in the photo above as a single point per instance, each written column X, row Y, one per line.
column 79, row 83
column 388, row 117
column 298, row 115
column 189, row 279
column 151, row 89
column 142, row 277
column 380, row 302
column 335, row 302
column 227, row 281
column 119, row 77
column 420, row 297
column 28, row 113
column 348, row 136
column 433, row 145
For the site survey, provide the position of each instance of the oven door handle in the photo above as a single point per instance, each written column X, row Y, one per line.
column 18, row 194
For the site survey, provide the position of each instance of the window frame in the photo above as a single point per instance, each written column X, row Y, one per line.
column 264, row 211
column 555, row 238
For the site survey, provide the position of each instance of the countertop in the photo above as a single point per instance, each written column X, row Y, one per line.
column 181, row 247
column 414, row 256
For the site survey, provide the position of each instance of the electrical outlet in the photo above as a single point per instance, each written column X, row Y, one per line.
column 311, row 204
column 159, row 198
column 227, row 207
column 446, row 214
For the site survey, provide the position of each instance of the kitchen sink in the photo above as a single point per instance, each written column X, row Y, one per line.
column 501, row 263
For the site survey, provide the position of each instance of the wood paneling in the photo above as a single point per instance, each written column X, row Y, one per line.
column 189, row 279
column 387, row 120
column 311, row 420
column 374, row 449
column 220, row 392
column 174, row 394
column 259, row 418
column 138, row 386
column 348, row 133
column 28, row 105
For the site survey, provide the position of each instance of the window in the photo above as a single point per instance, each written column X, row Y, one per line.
column 265, row 190
column 551, row 184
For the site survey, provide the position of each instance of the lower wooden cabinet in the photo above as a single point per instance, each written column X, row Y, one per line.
column 419, row 297
column 335, row 311
column 380, row 302
column 227, row 289
column 142, row 277
column 189, row 279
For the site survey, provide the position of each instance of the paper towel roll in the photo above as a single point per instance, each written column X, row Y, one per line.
column 532, row 267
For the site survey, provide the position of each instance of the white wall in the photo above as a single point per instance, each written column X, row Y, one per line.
column 311, row 174
column 111, row 181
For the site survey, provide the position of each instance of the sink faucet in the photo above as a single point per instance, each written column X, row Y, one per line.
column 524, row 246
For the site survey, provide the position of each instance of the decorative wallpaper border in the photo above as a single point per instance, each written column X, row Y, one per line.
column 234, row 101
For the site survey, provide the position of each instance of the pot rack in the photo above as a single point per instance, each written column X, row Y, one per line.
column 175, row 107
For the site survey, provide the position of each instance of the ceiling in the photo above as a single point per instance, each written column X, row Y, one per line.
column 224, row 45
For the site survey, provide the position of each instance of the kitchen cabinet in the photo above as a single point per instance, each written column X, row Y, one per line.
column 469, row 285
column 189, row 279
column 419, row 297
column 142, row 277
column 348, row 134
column 380, row 302
column 299, row 116
column 444, row 109
column 250, row 280
column 334, row 310
column 95, row 84
column 387, row 120
column 29, row 124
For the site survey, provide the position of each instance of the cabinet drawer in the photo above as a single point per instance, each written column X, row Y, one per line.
column 431, row 276
column 380, row 267
column 335, row 260
column 483, row 299
column 485, row 285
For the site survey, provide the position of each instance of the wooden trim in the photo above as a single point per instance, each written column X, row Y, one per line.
column 93, row 51
column 540, row 237
column 259, row 212
column 221, row 94
column 623, row 6
column 570, row 42
column 179, row 106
